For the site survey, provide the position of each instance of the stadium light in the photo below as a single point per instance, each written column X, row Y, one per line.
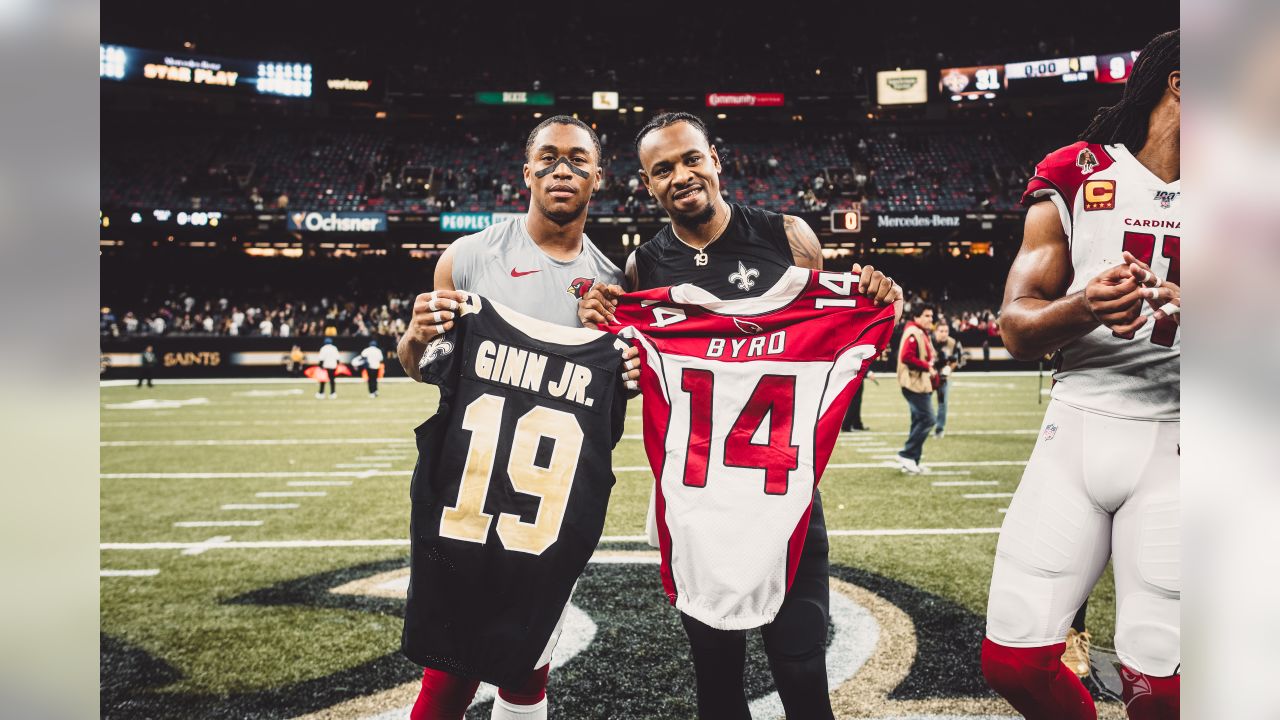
column 111, row 62
column 288, row 79
column 721, row 116
column 638, row 108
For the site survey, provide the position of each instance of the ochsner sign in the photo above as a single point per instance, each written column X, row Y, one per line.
column 338, row 222
column 744, row 100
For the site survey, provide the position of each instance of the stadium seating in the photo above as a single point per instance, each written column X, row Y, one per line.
column 360, row 170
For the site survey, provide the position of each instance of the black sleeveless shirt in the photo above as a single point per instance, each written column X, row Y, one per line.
column 748, row 258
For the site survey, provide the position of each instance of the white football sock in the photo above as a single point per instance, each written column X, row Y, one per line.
column 503, row 710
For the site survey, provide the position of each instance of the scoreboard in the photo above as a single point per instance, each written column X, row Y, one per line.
column 982, row 82
column 1069, row 69
column 989, row 82
column 152, row 67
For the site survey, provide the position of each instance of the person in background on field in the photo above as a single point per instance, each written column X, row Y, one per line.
column 372, row 364
column 948, row 355
column 916, row 375
column 148, row 370
column 293, row 362
column 329, row 361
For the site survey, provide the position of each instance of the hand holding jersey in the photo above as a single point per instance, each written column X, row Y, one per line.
column 540, row 264
column 598, row 305
column 510, row 489
column 743, row 401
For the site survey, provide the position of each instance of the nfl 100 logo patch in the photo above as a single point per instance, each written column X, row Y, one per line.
column 1049, row 431
column 1166, row 197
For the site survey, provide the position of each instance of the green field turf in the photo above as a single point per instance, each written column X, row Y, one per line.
column 208, row 627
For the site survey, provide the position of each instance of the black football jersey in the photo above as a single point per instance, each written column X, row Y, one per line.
column 510, row 489
column 749, row 257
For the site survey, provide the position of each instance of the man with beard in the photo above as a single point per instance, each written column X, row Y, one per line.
column 735, row 251
column 538, row 265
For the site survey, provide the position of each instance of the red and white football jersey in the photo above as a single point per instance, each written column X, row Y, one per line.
column 1109, row 202
column 743, row 401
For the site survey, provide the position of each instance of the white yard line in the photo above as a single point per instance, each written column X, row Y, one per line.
column 1002, row 510
column 944, row 463
column 200, row 548
column 319, row 483
column 402, row 542
column 624, row 538
column 256, row 441
column 261, row 506
column 903, row 433
column 217, row 523
column 152, row 572
column 238, row 475
column 298, row 493
column 964, row 483
column 986, row 496
column 921, row 531
column 364, row 465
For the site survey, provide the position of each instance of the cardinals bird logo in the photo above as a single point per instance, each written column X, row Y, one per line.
column 580, row 287
column 746, row 326
column 1086, row 161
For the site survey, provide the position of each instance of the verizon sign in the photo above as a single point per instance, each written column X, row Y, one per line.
column 744, row 100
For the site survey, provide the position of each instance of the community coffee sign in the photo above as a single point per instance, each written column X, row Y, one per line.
column 744, row 100
column 337, row 222
column 917, row 220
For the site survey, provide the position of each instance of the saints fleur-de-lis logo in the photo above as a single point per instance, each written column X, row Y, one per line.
column 437, row 349
column 745, row 277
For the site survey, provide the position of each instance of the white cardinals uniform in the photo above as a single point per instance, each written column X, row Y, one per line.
column 1103, row 478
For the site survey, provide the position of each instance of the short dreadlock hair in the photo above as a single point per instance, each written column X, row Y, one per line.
column 662, row 120
column 1126, row 121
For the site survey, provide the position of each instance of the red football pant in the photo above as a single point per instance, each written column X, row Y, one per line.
column 1151, row 698
column 531, row 692
column 1036, row 683
column 445, row 696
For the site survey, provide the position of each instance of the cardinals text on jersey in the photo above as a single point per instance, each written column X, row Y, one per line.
column 510, row 489
column 1107, row 205
column 742, row 406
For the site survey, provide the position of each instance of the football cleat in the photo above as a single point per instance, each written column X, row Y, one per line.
column 1076, row 656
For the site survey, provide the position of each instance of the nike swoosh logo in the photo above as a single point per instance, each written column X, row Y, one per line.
column 518, row 273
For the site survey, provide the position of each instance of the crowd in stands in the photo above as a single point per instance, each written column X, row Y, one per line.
column 186, row 314
column 345, row 170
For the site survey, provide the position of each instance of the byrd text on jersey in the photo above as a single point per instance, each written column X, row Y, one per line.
column 545, row 374
column 758, row 346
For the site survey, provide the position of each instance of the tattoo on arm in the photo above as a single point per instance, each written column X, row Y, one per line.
column 805, row 250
